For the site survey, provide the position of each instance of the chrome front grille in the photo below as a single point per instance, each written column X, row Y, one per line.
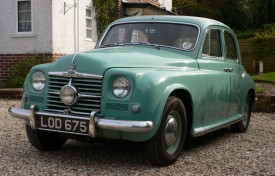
column 89, row 92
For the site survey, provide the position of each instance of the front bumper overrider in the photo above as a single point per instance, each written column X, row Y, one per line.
column 95, row 122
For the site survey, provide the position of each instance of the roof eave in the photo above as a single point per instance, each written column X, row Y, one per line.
column 146, row 5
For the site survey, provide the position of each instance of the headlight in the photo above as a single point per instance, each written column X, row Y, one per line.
column 121, row 87
column 38, row 81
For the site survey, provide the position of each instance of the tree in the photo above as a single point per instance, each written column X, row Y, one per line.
column 238, row 14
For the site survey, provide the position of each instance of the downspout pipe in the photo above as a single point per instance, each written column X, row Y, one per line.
column 75, row 28
column 78, row 26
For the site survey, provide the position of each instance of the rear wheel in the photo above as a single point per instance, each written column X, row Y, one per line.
column 166, row 146
column 241, row 126
column 43, row 140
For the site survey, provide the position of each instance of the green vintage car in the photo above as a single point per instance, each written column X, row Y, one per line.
column 150, row 79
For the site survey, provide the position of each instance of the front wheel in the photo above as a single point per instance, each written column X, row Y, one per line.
column 43, row 140
column 241, row 126
column 166, row 146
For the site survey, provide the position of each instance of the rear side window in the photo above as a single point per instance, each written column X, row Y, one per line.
column 230, row 46
column 212, row 44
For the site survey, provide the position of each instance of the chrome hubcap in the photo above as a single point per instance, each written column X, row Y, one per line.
column 171, row 130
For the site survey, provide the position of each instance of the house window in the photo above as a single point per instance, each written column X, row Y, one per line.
column 89, row 23
column 24, row 16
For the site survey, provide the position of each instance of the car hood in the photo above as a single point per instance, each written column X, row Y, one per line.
column 99, row 60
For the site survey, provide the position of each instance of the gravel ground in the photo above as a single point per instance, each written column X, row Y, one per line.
column 219, row 153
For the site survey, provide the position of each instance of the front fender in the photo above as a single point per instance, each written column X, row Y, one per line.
column 150, row 90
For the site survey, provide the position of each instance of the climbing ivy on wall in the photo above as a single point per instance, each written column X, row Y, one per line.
column 105, row 13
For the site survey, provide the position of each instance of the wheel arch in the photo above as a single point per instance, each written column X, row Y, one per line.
column 252, row 94
column 186, row 99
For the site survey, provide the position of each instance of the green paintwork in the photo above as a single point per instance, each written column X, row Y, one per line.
column 216, row 96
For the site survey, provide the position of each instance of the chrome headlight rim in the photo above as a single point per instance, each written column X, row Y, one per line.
column 73, row 95
column 38, row 81
column 121, row 87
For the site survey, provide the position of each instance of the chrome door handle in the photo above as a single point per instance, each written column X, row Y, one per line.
column 228, row 69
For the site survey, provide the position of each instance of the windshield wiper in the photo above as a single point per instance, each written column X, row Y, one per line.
column 132, row 43
column 155, row 45
column 111, row 45
column 142, row 43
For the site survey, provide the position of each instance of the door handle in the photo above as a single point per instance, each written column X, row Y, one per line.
column 228, row 69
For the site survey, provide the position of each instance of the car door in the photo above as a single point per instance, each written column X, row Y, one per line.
column 235, row 69
column 213, row 65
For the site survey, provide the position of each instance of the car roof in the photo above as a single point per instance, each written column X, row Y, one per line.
column 199, row 21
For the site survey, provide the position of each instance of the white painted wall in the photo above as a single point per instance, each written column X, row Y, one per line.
column 53, row 32
column 166, row 3
column 69, row 30
column 39, row 42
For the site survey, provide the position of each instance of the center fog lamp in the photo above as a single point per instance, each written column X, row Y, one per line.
column 68, row 95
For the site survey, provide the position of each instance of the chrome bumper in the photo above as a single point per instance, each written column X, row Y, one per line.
column 94, row 122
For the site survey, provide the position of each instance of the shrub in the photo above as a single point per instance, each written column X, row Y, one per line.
column 22, row 68
column 264, row 41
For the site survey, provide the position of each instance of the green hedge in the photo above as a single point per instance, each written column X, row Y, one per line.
column 22, row 68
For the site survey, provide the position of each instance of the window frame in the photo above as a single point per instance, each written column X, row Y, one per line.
column 235, row 46
column 106, row 36
column 221, row 44
column 92, row 23
column 17, row 20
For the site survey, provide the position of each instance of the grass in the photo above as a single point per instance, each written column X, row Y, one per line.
column 264, row 78
column 260, row 90
column 267, row 78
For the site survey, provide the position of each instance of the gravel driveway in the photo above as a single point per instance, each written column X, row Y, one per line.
column 219, row 153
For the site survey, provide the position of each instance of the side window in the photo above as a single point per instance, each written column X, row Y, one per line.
column 231, row 52
column 212, row 44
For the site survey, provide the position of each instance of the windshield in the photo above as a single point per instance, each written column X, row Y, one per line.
column 179, row 36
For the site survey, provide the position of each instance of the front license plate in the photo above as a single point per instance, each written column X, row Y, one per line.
column 63, row 124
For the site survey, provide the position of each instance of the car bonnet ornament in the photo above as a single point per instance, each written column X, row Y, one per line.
column 72, row 69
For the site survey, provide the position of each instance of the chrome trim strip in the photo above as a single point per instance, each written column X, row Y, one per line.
column 56, row 93
column 33, row 109
column 79, row 95
column 125, row 125
column 68, row 132
column 198, row 132
column 88, row 96
column 202, row 130
column 71, row 111
column 75, row 75
column 74, row 57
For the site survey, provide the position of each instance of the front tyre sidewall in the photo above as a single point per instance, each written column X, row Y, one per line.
column 43, row 140
column 158, row 152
